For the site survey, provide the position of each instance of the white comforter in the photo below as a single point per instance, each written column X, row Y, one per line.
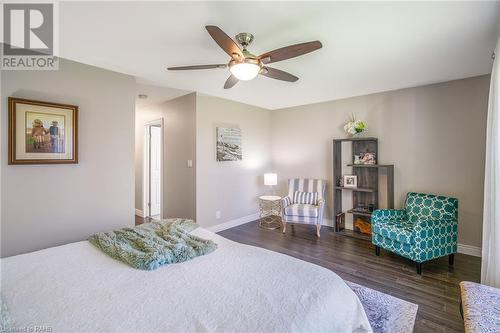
column 237, row 288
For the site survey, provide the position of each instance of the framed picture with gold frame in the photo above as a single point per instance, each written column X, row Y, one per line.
column 42, row 132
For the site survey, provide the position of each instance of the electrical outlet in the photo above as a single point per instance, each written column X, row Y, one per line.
column 190, row 163
column 217, row 214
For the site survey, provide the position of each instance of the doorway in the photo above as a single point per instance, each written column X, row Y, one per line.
column 153, row 170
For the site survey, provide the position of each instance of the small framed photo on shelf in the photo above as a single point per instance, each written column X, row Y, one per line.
column 350, row 181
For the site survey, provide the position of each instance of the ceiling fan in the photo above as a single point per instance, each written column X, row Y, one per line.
column 246, row 66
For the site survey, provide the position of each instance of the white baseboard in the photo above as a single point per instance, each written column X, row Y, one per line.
column 234, row 223
column 139, row 213
column 470, row 250
column 462, row 248
column 246, row 219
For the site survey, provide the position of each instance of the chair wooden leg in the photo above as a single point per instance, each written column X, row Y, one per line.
column 461, row 309
column 318, row 228
column 451, row 259
column 284, row 226
column 419, row 268
column 377, row 250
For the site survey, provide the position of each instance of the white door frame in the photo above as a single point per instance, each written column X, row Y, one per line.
column 145, row 164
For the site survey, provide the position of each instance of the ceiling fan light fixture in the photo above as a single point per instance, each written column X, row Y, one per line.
column 246, row 70
column 244, row 65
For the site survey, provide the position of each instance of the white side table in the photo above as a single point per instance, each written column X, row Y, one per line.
column 270, row 211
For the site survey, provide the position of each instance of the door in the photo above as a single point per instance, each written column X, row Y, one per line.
column 155, row 170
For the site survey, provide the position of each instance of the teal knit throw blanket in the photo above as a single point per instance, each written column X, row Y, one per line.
column 154, row 244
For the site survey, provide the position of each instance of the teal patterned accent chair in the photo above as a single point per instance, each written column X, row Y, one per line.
column 424, row 230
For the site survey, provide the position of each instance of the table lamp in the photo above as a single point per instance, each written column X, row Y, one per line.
column 270, row 179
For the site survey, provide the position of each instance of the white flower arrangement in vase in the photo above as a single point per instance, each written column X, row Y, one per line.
column 354, row 127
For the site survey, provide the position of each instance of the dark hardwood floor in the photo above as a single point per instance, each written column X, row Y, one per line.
column 141, row 220
column 436, row 291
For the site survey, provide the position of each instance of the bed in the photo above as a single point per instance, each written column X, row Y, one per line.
column 237, row 288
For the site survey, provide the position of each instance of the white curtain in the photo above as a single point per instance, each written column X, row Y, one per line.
column 490, row 268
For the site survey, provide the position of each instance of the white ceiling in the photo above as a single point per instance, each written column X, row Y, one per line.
column 367, row 46
column 156, row 95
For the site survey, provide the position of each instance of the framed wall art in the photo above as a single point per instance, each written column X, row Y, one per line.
column 228, row 144
column 42, row 132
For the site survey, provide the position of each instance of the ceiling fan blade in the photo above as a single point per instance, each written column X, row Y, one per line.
column 289, row 52
column 230, row 82
column 224, row 41
column 183, row 68
column 277, row 74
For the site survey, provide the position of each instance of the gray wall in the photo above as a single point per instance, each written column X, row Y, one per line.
column 434, row 135
column 44, row 206
column 230, row 187
column 179, row 197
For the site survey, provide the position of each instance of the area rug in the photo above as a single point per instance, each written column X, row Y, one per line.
column 386, row 313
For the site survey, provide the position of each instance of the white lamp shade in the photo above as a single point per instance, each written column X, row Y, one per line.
column 245, row 71
column 270, row 179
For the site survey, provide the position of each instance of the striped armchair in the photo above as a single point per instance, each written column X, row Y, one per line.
column 304, row 203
